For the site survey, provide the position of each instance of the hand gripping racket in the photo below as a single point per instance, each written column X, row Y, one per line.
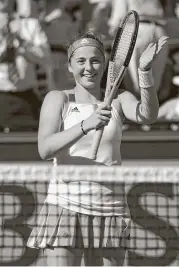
column 121, row 53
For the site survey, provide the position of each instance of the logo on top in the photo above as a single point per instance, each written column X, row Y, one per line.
column 75, row 109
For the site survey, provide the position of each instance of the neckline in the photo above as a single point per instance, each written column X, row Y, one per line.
column 72, row 99
column 86, row 104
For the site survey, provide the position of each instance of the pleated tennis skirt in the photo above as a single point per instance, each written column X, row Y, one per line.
column 59, row 227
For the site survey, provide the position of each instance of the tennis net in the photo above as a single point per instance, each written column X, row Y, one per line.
column 152, row 195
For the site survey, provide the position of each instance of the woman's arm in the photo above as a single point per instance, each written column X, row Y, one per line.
column 118, row 11
column 50, row 138
column 145, row 110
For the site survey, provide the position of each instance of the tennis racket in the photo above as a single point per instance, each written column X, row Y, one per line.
column 121, row 53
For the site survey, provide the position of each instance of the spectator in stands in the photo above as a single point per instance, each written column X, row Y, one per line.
column 23, row 45
column 73, row 8
column 24, row 8
column 152, row 23
column 99, row 16
column 177, row 10
column 169, row 111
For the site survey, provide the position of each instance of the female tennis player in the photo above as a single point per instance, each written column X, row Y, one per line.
column 89, row 221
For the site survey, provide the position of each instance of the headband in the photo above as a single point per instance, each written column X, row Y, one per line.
column 85, row 42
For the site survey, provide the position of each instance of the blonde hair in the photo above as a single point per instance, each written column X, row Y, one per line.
column 86, row 39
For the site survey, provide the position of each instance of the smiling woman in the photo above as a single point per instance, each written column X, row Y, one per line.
column 86, row 63
column 87, row 222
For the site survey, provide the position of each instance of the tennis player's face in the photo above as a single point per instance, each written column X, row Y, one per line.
column 87, row 66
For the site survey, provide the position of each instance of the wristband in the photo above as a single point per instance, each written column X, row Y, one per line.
column 146, row 79
column 82, row 127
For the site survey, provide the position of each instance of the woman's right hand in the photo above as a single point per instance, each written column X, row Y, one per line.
column 99, row 118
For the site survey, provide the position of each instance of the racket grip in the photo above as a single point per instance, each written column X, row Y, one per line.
column 96, row 142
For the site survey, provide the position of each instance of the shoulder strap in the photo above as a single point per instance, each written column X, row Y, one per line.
column 71, row 98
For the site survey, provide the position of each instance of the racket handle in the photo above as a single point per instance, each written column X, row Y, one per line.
column 96, row 142
column 109, row 98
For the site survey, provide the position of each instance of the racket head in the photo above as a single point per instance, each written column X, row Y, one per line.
column 124, row 44
column 121, row 53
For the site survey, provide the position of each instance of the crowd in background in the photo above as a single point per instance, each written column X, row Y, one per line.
column 33, row 60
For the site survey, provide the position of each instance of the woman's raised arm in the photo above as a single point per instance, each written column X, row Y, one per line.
column 145, row 110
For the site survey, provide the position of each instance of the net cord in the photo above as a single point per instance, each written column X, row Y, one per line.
column 68, row 173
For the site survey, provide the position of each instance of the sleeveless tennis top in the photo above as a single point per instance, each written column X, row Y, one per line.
column 109, row 149
column 90, row 198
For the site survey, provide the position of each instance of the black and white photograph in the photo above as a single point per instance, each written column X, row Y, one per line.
column 89, row 133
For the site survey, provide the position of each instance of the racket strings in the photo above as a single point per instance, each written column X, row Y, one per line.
column 123, row 45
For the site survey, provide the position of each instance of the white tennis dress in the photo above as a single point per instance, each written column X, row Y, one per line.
column 92, row 198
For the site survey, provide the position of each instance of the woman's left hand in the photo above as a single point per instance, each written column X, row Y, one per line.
column 152, row 51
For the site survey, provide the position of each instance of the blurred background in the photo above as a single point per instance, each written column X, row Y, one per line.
column 57, row 22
